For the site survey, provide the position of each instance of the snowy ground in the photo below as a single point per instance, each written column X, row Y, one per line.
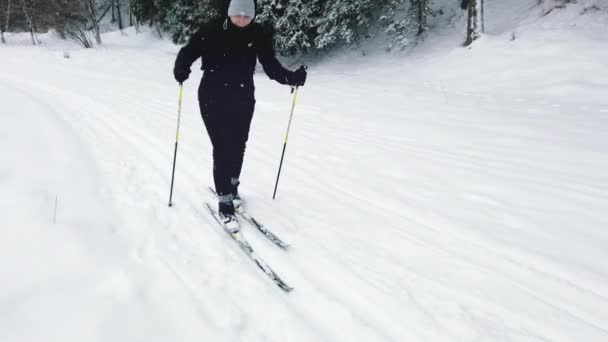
column 453, row 194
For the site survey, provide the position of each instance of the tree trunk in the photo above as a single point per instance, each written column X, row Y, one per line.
column 473, row 22
column 159, row 33
column 130, row 12
column 119, row 14
column 113, row 15
column 4, row 28
column 421, row 15
column 28, row 19
column 483, row 24
column 92, row 11
column 8, row 15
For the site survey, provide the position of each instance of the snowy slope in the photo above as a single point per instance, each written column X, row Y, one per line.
column 455, row 194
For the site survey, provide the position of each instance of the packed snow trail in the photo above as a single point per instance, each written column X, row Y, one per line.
column 65, row 275
column 420, row 207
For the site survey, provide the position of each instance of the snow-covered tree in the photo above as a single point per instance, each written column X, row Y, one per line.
column 345, row 22
column 294, row 22
column 404, row 21
column 184, row 17
column 301, row 26
column 148, row 11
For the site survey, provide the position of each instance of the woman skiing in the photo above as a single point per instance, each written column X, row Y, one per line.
column 229, row 48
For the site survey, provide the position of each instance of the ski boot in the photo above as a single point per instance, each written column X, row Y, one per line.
column 227, row 215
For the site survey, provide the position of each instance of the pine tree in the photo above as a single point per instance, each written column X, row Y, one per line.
column 184, row 17
column 347, row 22
column 404, row 21
column 147, row 10
column 294, row 23
column 301, row 26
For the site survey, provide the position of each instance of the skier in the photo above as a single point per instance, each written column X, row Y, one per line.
column 229, row 48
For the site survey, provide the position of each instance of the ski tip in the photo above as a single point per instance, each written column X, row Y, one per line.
column 285, row 287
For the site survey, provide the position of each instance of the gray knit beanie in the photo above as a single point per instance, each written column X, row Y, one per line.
column 242, row 7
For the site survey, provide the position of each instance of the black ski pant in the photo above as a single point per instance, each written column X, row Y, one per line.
column 227, row 124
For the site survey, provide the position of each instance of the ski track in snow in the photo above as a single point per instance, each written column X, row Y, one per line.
column 418, row 211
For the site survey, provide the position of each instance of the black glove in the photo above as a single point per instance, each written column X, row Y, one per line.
column 298, row 77
column 181, row 74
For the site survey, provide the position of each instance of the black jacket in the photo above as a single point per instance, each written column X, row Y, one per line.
column 229, row 58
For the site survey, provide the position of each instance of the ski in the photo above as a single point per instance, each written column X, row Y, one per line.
column 259, row 226
column 246, row 247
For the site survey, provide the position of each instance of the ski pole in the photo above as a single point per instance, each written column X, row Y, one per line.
column 179, row 114
column 293, row 105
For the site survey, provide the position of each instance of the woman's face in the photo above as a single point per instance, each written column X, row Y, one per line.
column 240, row 20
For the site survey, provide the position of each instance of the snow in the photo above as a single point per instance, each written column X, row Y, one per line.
column 451, row 194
